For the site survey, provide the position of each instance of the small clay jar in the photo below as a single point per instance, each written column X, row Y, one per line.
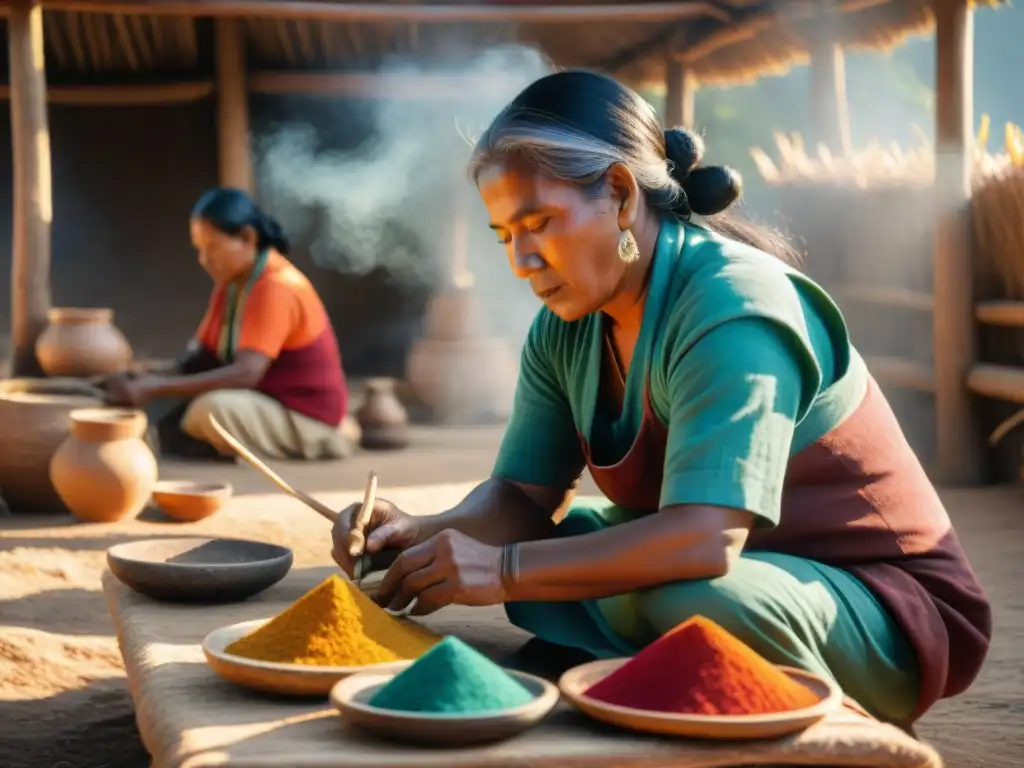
column 382, row 418
column 82, row 342
column 104, row 471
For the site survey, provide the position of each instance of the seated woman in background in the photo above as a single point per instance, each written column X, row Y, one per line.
column 265, row 360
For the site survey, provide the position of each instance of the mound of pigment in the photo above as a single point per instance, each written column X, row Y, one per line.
column 334, row 625
column 452, row 678
column 699, row 668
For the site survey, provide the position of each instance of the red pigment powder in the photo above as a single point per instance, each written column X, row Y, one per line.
column 699, row 668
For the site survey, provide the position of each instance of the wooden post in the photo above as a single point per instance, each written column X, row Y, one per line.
column 234, row 144
column 33, row 198
column 680, row 88
column 830, row 112
column 960, row 449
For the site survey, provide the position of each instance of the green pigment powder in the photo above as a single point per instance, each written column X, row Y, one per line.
column 452, row 678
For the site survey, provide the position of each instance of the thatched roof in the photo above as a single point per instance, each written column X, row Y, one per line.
column 722, row 42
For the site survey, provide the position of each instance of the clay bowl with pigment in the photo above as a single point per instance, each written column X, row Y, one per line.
column 274, row 677
column 352, row 695
column 187, row 501
column 198, row 569
column 577, row 680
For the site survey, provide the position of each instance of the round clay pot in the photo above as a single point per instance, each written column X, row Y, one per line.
column 104, row 470
column 471, row 381
column 82, row 342
column 35, row 415
column 382, row 417
column 460, row 374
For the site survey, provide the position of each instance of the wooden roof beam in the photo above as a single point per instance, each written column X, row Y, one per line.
column 402, row 12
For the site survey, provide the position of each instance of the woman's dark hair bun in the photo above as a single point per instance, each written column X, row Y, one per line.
column 274, row 235
column 709, row 190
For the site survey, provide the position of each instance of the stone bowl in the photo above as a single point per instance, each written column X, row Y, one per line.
column 199, row 570
column 187, row 501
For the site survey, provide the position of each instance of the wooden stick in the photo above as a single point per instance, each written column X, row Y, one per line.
column 357, row 536
column 378, row 85
column 253, row 461
column 401, row 12
column 121, row 95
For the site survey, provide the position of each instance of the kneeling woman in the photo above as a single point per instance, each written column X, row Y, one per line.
column 753, row 471
column 265, row 359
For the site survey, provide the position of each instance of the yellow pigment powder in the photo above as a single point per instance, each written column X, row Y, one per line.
column 335, row 625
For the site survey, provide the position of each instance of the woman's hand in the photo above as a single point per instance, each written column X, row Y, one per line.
column 128, row 390
column 448, row 568
column 388, row 528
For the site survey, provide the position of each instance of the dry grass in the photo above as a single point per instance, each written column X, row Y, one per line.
column 877, row 164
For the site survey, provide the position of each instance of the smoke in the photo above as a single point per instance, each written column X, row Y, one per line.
column 394, row 201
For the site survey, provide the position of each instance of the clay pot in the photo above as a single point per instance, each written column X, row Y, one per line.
column 82, row 342
column 464, row 382
column 35, row 415
column 104, row 470
column 382, row 417
column 456, row 371
column 187, row 502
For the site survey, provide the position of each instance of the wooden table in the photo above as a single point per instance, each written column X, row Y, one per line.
column 190, row 718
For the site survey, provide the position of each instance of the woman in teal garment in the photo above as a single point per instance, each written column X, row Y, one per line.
column 752, row 473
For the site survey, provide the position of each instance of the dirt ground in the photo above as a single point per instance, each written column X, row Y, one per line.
column 63, row 698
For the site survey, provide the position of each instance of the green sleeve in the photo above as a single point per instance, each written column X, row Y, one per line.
column 541, row 445
column 735, row 398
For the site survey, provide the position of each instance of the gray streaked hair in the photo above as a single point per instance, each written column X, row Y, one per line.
column 574, row 156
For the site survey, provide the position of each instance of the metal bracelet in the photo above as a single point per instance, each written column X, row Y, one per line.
column 510, row 564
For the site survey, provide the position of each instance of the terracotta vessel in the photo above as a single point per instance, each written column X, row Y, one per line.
column 382, row 417
column 104, row 470
column 82, row 342
column 456, row 371
column 35, row 415
column 187, row 502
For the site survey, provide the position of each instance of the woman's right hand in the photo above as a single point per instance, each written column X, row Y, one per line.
column 389, row 528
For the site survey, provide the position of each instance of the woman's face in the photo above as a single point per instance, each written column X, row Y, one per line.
column 564, row 240
column 224, row 257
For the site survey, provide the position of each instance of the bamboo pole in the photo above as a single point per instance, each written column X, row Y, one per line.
column 234, row 143
column 829, row 109
column 385, row 86
column 885, row 296
column 960, row 447
column 998, row 382
column 124, row 94
column 906, row 374
column 1008, row 314
column 680, row 90
column 33, row 200
column 401, row 12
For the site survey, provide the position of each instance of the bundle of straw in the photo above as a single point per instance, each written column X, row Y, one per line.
column 875, row 164
column 997, row 208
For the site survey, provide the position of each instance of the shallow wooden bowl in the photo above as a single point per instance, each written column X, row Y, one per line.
column 578, row 679
column 187, row 501
column 270, row 677
column 199, row 569
column 352, row 695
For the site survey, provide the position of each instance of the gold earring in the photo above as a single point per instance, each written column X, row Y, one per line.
column 628, row 249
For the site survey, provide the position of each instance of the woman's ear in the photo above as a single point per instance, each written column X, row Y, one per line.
column 625, row 195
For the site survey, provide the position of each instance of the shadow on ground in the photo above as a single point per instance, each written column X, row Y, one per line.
column 75, row 724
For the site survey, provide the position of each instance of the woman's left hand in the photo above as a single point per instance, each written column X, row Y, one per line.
column 449, row 568
column 128, row 390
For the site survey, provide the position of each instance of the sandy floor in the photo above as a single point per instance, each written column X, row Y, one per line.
column 63, row 698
